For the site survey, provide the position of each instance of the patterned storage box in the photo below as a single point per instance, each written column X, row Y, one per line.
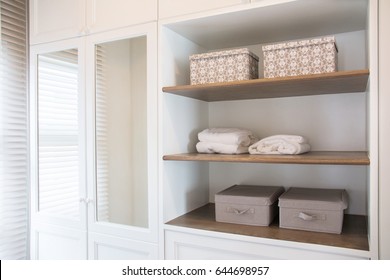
column 313, row 209
column 311, row 56
column 224, row 66
column 248, row 205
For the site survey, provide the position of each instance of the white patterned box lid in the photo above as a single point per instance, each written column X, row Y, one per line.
column 223, row 53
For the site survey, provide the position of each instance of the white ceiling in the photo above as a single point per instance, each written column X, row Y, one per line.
column 287, row 21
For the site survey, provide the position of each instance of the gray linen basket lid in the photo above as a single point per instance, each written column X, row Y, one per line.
column 315, row 199
column 248, row 194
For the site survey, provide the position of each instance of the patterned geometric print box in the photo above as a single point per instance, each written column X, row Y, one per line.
column 248, row 205
column 224, row 66
column 313, row 209
column 311, row 56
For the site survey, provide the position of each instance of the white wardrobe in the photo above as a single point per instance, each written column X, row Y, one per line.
column 114, row 123
column 93, row 130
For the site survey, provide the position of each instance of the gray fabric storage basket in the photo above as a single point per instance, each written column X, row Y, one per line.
column 248, row 205
column 311, row 209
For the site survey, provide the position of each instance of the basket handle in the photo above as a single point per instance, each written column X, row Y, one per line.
column 240, row 212
column 306, row 217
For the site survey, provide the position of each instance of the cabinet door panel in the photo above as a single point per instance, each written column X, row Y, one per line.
column 50, row 242
column 57, row 134
column 106, row 247
column 105, row 15
column 57, row 145
column 170, row 8
column 52, row 20
column 123, row 147
column 185, row 246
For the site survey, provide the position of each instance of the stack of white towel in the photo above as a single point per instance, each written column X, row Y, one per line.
column 225, row 140
column 281, row 144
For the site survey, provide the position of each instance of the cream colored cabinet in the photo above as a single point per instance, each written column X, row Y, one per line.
column 171, row 8
column 108, row 14
column 55, row 20
column 201, row 245
column 52, row 20
column 93, row 157
column 108, row 247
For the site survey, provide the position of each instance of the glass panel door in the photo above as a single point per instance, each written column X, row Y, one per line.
column 121, row 132
column 58, row 134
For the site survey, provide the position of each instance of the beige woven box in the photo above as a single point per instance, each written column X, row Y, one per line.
column 248, row 205
column 224, row 66
column 310, row 209
column 294, row 58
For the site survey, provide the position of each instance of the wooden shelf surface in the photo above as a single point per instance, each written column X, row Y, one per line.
column 334, row 158
column 353, row 236
column 329, row 83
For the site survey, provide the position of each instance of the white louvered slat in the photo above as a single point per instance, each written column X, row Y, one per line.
column 13, row 129
column 101, row 136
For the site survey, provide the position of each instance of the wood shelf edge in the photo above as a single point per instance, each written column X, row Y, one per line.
column 315, row 157
column 315, row 84
column 360, row 72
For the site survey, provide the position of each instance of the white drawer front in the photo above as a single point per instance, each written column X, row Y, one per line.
column 186, row 246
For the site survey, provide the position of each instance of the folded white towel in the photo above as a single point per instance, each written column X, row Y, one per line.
column 290, row 138
column 211, row 148
column 229, row 136
column 281, row 144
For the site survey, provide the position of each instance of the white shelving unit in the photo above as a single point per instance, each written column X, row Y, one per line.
column 338, row 123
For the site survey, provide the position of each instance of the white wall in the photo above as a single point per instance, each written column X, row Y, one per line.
column 183, row 117
column 384, row 129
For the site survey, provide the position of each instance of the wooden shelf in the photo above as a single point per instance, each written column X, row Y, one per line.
column 353, row 236
column 329, row 83
column 339, row 158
